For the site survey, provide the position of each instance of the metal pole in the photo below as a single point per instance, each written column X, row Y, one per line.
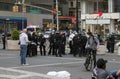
column 77, row 28
column 34, row 6
column 97, row 5
column 53, row 7
column 57, row 20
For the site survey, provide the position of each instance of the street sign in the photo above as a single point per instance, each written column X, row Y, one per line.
column 59, row 13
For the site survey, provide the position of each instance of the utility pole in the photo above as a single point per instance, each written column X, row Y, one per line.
column 77, row 28
column 97, row 5
column 57, row 20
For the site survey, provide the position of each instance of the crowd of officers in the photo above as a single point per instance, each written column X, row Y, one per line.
column 57, row 44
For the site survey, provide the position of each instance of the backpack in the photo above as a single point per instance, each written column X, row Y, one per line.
column 94, row 40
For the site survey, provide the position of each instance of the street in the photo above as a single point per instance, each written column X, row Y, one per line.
column 43, row 64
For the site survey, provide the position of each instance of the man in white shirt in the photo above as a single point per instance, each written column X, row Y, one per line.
column 23, row 46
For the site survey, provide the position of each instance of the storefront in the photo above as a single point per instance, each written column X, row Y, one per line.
column 8, row 23
column 105, row 23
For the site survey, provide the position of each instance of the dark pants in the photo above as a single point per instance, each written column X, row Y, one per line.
column 112, row 48
column 70, row 45
column 34, row 50
column 60, row 50
column 83, row 52
column 63, row 49
column 108, row 47
column 75, row 50
column 3, row 44
column 42, row 50
column 51, row 50
column 56, row 50
column 29, row 50
column 93, row 53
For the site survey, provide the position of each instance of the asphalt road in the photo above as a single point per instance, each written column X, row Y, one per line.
column 44, row 64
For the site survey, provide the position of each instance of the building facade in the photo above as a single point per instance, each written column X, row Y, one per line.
column 13, row 15
column 100, row 16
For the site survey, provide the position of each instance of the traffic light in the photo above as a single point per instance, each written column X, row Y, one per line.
column 54, row 12
column 24, row 8
column 54, row 25
column 48, row 25
column 15, row 8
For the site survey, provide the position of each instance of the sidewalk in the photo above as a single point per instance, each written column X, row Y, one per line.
column 103, row 50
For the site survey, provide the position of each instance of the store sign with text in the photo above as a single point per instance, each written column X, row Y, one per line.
column 104, row 16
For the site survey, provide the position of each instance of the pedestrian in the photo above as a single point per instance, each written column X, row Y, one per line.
column 23, row 46
column 70, row 39
column 83, row 44
column 100, row 72
column 51, row 46
column 92, row 45
column 108, row 44
column 3, row 40
column 58, row 44
column 63, row 43
column 112, row 43
column 34, row 44
column 29, row 47
column 76, row 45
column 42, row 44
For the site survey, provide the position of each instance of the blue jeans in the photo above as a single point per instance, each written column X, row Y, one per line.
column 113, row 73
column 23, row 52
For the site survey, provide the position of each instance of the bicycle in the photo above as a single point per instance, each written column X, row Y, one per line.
column 89, row 60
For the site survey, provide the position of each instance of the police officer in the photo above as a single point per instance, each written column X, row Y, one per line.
column 29, row 47
column 83, row 44
column 42, row 44
column 52, row 44
column 70, row 39
column 112, row 43
column 34, row 44
column 76, row 45
column 3, row 40
column 63, row 42
column 108, row 44
column 57, row 41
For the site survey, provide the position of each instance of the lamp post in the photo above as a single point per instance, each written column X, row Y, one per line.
column 77, row 28
column 97, row 5
column 57, row 20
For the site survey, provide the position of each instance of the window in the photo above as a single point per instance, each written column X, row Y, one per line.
column 71, row 13
column 79, row 5
column 71, row 4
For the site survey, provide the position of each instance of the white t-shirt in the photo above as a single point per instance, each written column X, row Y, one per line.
column 23, row 39
column 71, row 37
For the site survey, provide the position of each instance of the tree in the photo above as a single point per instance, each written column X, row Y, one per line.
column 15, row 34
